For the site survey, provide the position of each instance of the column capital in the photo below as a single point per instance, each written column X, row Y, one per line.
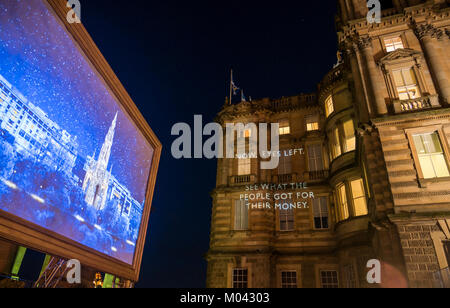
column 427, row 30
column 364, row 42
column 349, row 47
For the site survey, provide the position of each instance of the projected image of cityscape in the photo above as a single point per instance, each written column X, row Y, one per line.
column 70, row 160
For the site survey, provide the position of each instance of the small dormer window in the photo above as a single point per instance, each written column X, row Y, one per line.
column 393, row 43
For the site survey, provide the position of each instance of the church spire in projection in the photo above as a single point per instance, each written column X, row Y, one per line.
column 97, row 177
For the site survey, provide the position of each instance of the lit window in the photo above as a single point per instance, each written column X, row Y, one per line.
column 350, row 140
column 240, row 278
column 285, row 165
column 393, row 44
column 289, row 279
column 329, row 106
column 244, row 166
column 312, row 123
column 241, row 215
column 329, row 279
column 287, row 218
column 406, row 83
column 246, row 133
column 320, row 213
column 335, row 144
column 431, row 156
column 315, row 159
column 285, row 128
column 359, row 197
column 341, row 197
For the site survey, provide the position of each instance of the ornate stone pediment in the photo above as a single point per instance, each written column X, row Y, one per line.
column 398, row 54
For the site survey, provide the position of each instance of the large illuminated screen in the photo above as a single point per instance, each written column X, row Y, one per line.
column 71, row 160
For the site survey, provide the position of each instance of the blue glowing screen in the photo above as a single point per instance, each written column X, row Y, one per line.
column 71, row 160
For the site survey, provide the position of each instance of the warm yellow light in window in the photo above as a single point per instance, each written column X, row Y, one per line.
column 359, row 197
column 244, row 166
column 431, row 156
column 285, row 128
column 350, row 140
column 336, row 144
column 343, row 204
column 312, row 126
column 406, row 83
column 329, row 106
column 393, row 44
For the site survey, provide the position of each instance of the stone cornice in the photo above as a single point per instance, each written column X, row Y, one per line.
column 423, row 13
column 267, row 107
column 443, row 113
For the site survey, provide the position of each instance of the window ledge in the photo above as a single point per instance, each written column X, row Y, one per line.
column 424, row 183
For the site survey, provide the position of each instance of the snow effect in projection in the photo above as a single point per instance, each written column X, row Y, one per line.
column 71, row 160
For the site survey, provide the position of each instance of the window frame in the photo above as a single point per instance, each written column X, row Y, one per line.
column 329, row 214
column 345, row 138
column 353, row 198
column 289, row 212
column 289, row 285
column 393, row 37
column 312, row 120
column 285, row 164
column 316, row 157
column 416, row 63
column 280, row 268
column 285, row 127
column 339, row 206
column 352, row 269
column 407, row 86
column 333, row 270
column 329, row 102
column 239, row 226
column 349, row 198
column 444, row 144
column 338, row 139
column 244, row 166
column 234, row 281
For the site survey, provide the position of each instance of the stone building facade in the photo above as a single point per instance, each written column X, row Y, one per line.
column 370, row 149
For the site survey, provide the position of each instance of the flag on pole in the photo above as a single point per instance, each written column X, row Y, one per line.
column 233, row 85
column 243, row 96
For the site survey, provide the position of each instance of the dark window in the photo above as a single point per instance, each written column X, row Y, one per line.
column 321, row 213
column 289, row 280
column 329, row 279
column 240, row 278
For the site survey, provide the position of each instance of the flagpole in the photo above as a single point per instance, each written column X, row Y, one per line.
column 231, row 86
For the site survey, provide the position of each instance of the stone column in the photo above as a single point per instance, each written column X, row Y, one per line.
column 376, row 84
column 428, row 36
column 363, row 108
column 344, row 12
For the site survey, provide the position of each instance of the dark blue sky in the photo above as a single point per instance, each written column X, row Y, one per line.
column 174, row 58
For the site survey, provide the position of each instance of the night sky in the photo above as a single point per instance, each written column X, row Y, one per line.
column 174, row 58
